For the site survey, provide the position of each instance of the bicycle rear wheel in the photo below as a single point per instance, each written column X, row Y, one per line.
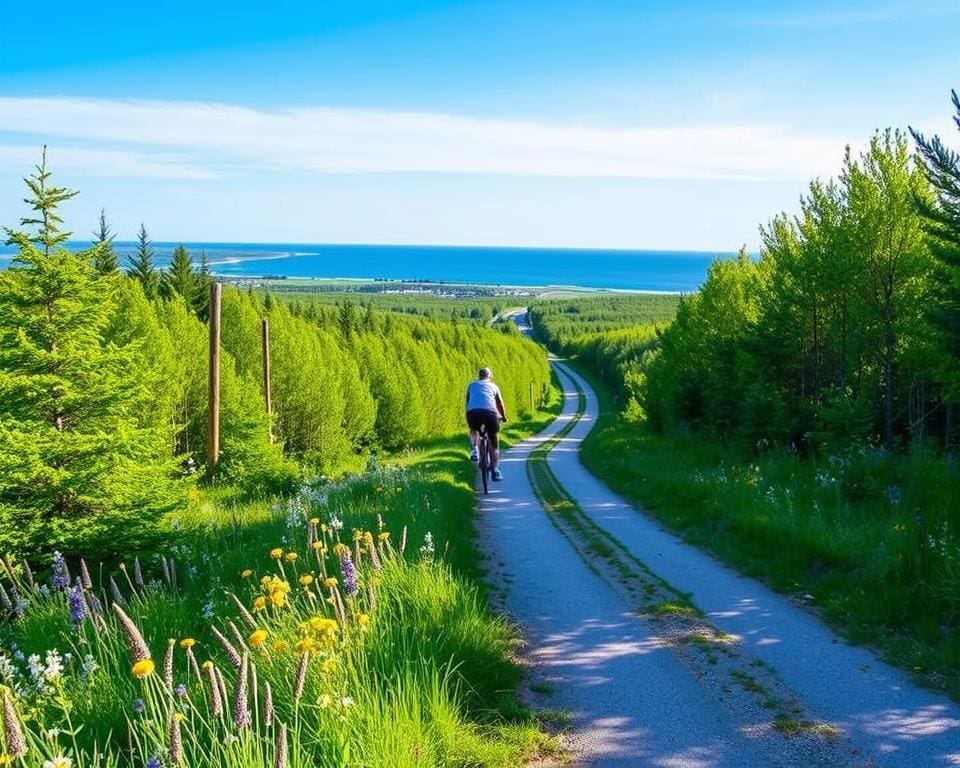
column 484, row 464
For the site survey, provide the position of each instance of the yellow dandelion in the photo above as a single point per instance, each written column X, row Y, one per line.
column 278, row 599
column 246, row 573
column 276, row 553
column 258, row 638
column 330, row 582
column 259, row 603
column 207, row 664
column 314, row 520
column 306, row 645
column 143, row 668
column 306, row 580
column 187, row 643
column 341, row 549
column 363, row 620
column 384, row 536
column 290, row 557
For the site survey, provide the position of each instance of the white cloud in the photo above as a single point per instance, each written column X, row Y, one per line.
column 101, row 162
column 191, row 140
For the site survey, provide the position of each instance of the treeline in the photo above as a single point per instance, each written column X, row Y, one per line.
column 565, row 324
column 616, row 336
column 838, row 335
column 103, row 387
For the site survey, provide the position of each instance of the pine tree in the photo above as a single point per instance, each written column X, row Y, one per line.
column 942, row 218
column 104, row 256
column 202, row 282
column 180, row 279
column 77, row 467
column 141, row 265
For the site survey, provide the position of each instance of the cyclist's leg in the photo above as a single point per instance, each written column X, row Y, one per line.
column 494, row 440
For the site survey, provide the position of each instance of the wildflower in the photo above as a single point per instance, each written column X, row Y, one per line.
column 143, row 668
column 290, row 557
column 61, row 575
column 314, row 521
column 58, row 762
column 349, row 574
column 427, row 549
column 325, row 701
column 174, row 740
column 258, row 638
column 154, row 762
column 115, row 592
column 259, row 603
column 276, row 553
column 78, row 606
column 168, row 663
column 247, row 616
column 139, row 707
column 280, row 645
column 383, row 536
column 330, row 582
column 306, row 580
column 278, row 599
column 12, row 730
column 346, row 701
column 187, row 643
column 180, row 690
column 267, row 704
column 232, row 653
column 363, row 620
column 216, row 702
column 301, row 675
column 28, row 575
column 246, row 573
column 280, row 761
column 207, row 610
column 305, row 645
column 241, row 711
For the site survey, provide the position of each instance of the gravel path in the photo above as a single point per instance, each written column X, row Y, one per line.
column 889, row 719
column 632, row 702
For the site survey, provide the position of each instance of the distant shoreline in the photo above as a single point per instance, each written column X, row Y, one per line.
column 510, row 269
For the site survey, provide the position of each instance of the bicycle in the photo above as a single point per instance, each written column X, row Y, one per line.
column 485, row 449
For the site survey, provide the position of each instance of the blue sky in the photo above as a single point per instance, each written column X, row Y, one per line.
column 605, row 124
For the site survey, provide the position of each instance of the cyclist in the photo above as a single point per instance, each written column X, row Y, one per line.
column 485, row 409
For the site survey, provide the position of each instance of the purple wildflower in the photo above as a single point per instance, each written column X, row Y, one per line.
column 349, row 574
column 181, row 690
column 154, row 762
column 61, row 576
column 78, row 606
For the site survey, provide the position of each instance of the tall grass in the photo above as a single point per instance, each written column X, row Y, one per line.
column 869, row 539
column 339, row 600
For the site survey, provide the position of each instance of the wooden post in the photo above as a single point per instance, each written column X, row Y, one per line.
column 213, row 411
column 531, row 397
column 265, row 343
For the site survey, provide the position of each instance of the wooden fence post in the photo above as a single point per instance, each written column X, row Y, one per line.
column 213, row 410
column 265, row 343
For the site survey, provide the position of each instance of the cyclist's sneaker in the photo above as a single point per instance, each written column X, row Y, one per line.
column 474, row 455
column 497, row 474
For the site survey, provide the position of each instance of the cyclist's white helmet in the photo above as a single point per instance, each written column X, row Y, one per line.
column 485, row 373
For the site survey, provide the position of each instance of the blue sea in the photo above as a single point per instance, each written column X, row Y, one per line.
column 673, row 271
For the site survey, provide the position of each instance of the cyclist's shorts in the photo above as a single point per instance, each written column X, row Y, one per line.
column 481, row 417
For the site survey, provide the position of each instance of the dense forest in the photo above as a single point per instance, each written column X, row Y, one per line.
column 103, row 385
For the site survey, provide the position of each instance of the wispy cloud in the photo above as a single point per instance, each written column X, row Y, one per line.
column 193, row 140
column 867, row 13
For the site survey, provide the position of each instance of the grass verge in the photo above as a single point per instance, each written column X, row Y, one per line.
column 867, row 541
column 356, row 601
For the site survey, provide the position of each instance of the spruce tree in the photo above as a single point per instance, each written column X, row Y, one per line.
column 104, row 255
column 180, row 279
column 942, row 218
column 78, row 468
column 141, row 265
column 202, row 282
